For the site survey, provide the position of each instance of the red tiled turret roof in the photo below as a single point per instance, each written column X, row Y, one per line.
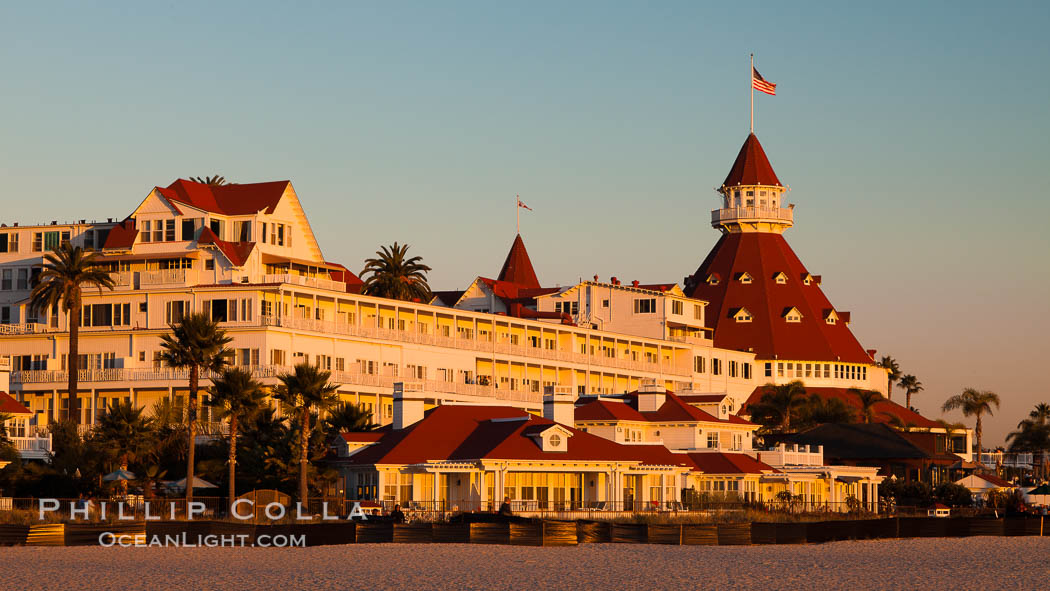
column 763, row 255
column 751, row 166
column 517, row 268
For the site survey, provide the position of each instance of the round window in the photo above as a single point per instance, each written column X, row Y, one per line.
column 555, row 440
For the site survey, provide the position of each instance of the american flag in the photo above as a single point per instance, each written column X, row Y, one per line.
column 761, row 84
column 522, row 204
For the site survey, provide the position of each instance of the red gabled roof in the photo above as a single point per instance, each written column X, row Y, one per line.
column 674, row 409
column 727, row 463
column 517, row 269
column 122, row 235
column 347, row 277
column 233, row 199
column 768, row 334
column 465, row 433
column 883, row 411
column 9, row 405
column 236, row 252
column 751, row 167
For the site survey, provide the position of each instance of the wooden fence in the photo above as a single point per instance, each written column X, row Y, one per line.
column 521, row 532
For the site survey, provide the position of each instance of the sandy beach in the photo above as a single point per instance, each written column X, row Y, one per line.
column 968, row 563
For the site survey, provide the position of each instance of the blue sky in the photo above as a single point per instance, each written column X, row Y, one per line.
column 914, row 137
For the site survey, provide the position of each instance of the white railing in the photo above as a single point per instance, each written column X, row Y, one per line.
column 163, row 277
column 26, row 328
column 480, row 345
column 306, row 281
column 793, row 455
column 39, row 443
column 123, row 279
column 753, row 213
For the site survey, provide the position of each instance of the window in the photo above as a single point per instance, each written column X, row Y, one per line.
column 9, row 242
column 106, row 315
column 698, row 312
column 38, row 241
column 572, row 308
column 174, row 311
column 605, row 303
column 5, row 279
column 712, row 440
column 742, row 315
column 780, row 370
column 266, row 308
column 246, row 357
column 769, row 370
column 793, row 315
column 52, row 240
column 712, row 279
column 699, row 364
column 209, row 264
column 277, row 357
column 677, row 308
column 169, row 230
column 189, row 228
column 158, row 231
column 645, row 306
column 216, row 227
column 747, row 371
column 827, row 370
column 280, row 234
column 264, row 232
column 781, row 278
column 5, row 314
column 716, row 367
column 23, row 279
column 744, row 278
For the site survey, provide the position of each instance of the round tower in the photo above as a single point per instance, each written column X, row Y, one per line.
column 752, row 195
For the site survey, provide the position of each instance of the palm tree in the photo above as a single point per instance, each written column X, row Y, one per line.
column 911, row 385
column 1033, row 434
column 349, row 418
column 64, row 274
column 214, row 181
column 973, row 403
column 779, row 403
column 195, row 343
column 304, row 389
column 4, row 417
column 237, row 397
column 393, row 275
column 820, row 411
column 123, row 432
column 868, row 399
column 1041, row 413
column 893, row 373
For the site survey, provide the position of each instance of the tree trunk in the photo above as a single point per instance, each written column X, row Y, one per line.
column 889, row 387
column 908, row 399
column 304, row 439
column 233, row 460
column 73, row 359
column 191, row 427
column 977, row 431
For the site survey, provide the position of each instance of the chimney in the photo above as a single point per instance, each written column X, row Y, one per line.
column 5, row 374
column 651, row 395
column 634, row 283
column 559, row 405
column 615, row 281
column 596, row 279
column 408, row 404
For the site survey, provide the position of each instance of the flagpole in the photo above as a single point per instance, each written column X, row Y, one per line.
column 751, row 85
column 517, row 212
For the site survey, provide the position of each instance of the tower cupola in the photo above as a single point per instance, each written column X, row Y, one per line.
column 752, row 195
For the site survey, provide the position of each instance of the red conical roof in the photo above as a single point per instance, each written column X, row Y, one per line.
column 517, row 268
column 751, row 166
column 763, row 256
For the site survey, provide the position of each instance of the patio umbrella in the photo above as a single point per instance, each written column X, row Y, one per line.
column 1042, row 489
column 119, row 475
column 197, row 483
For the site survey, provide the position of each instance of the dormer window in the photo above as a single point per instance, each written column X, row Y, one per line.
column 712, row 279
column 781, row 278
column 793, row 315
column 831, row 317
column 807, row 279
column 743, row 277
column 554, row 440
column 742, row 315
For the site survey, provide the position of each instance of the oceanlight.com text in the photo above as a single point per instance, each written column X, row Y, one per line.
column 184, row 540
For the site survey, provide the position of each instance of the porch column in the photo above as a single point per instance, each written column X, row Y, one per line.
column 94, row 406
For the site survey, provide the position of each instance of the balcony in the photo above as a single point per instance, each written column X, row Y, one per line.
column 753, row 214
column 34, row 447
column 163, row 277
column 306, row 281
column 21, row 329
column 793, row 455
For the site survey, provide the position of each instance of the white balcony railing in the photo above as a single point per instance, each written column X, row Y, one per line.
column 306, row 281
column 163, row 277
column 753, row 213
column 19, row 329
column 32, row 446
column 793, row 455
